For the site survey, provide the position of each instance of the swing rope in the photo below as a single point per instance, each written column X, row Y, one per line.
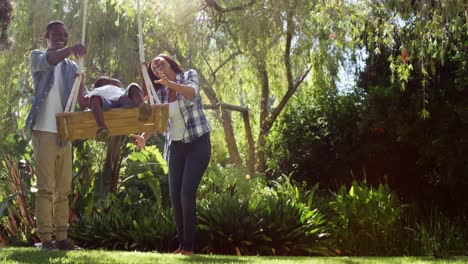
column 153, row 98
column 77, row 83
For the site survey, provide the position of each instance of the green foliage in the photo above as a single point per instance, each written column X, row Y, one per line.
column 126, row 226
column 292, row 228
column 230, row 179
column 317, row 138
column 17, row 223
column 145, row 177
column 268, row 220
column 87, row 163
column 416, row 152
column 440, row 236
column 368, row 220
column 227, row 225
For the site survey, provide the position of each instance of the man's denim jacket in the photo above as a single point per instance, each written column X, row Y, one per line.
column 43, row 78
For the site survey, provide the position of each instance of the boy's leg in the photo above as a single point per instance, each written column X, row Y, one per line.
column 96, row 106
column 135, row 94
column 98, row 112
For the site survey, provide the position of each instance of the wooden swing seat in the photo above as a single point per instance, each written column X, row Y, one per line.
column 119, row 121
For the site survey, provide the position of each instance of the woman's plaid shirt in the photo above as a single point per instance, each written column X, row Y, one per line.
column 196, row 123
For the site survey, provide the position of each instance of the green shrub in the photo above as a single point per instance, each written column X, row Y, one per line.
column 218, row 180
column 316, row 137
column 145, row 177
column 17, row 223
column 368, row 221
column 440, row 236
column 143, row 226
column 227, row 225
column 291, row 228
column 268, row 220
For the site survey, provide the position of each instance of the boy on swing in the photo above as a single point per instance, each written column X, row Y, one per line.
column 109, row 93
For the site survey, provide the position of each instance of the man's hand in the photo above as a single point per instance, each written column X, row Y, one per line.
column 78, row 50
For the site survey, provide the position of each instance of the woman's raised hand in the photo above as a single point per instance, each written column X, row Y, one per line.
column 163, row 79
column 140, row 141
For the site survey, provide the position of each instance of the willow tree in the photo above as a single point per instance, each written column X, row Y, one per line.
column 418, row 37
column 284, row 44
column 6, row 10
column 254, row 54
column 111, row 40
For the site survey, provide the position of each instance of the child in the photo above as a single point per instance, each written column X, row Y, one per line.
column 109, row 93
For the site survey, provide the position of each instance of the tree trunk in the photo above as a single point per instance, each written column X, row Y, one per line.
column 264, row 129
column 250, row 141
column 248, row 130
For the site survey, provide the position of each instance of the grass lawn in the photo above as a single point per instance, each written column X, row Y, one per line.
column 9, row 255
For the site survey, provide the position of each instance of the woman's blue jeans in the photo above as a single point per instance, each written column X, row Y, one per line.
column 187, row 163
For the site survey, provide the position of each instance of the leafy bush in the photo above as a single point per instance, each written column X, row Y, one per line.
column 144, row 226
column 368, row 221
column 292, row 228
column 17, row 223
column 227, row 225
column 316, row 138
column 269, row 220
column 218, row 180
column 145, row 177
column 440, row 236
column 134, row 217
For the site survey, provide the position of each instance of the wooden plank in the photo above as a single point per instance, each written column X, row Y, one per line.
column 119, row 121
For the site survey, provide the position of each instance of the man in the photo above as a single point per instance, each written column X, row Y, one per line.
column 53, row 76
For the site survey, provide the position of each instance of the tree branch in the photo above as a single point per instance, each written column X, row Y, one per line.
column 213, row 4
column 228, row 107
column 232, row 56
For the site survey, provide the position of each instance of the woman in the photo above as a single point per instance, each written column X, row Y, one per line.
column 188, row 146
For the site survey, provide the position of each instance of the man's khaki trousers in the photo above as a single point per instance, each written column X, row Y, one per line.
column 54, row 174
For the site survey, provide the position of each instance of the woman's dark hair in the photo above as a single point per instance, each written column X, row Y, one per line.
column 172, row 63
column 153, row 77
column 175, row 67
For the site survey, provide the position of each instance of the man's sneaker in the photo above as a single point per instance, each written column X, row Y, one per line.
column 144, row 112
column 47, row 246
column 66, row 244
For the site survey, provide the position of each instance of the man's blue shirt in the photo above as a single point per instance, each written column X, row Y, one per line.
column 42, row 73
